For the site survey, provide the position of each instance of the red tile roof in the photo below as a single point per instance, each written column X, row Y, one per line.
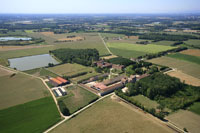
column 56, row 81
column 62, row 80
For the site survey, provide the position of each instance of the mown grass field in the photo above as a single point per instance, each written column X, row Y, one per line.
column 69, row 69
column 189, row 58
column 186, row 119
column 31, row 117
column 109, row 116
column 77, row 98
column 145, row 101
column 134, row 50
column 183, row 66
column 41, row 72
column 195, row 108
column 20, row 89
column 92, row 40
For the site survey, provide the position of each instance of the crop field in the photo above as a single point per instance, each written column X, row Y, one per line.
column 194, row 52
column 41, row 72
column 186, row 119
column 150, row 48
column 189, row 58
column 193, row 42
column 69, row 69
column 134, row 50
column 31, row 117
column 195, row 108
column 185, row 77
column 109, row 116
column 166, row 43
column 84, row 77
column 19, row 89
column 126, row 53
column 77, row 98
column 92, row 40
column 183, row 66
column 145, row 101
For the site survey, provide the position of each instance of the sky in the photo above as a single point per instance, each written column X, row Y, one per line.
column 99, row 6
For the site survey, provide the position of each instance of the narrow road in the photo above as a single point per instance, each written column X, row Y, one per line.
column 77, row 112
column 105, row 44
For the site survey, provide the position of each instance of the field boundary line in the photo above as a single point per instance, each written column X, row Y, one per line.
column 77, row 112
column 105, row 44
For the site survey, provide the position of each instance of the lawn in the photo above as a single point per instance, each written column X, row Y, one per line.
column 77, row 98
column 19, row 89
column 41, row 72
column 195, row 108
column 190, row 58
column 69, row 69
column 184, row 66
column 145, row 101
column 111, row 116
column 31, row 117
column 186, row 119
column 150, row 48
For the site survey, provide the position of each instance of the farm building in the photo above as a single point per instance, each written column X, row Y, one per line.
column 111, row 88
column 99, row 86
column 58, row 81
column 103, row 64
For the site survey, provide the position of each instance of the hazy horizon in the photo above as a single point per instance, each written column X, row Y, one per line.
column 99, row 7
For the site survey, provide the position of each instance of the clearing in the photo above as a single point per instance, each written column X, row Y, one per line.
column 77, row 98
column 19, row 89
column 185, row 77
column 109, row 116
column 31, row 117
column 183, row 66
column 186, row 119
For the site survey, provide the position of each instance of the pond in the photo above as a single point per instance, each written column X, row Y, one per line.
column 32, row 62
column 15, row 39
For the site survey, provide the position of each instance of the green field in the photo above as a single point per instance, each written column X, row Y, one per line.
column 41, row 72
column 190, row 58
column 77, row 98
column 195, row 108
column 145, row 101
column 126, row 53
column 19, row 89
column 186, row 119
column 92, row 40
column 184, row 66
column 31, row 117
column 111, row 116
column 134, row 50
column 166, row 43
column 69, row 69
column 4, row 62
column 84, row 77
column 193, row 42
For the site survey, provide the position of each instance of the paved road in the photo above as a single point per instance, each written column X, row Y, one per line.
column 105, row 44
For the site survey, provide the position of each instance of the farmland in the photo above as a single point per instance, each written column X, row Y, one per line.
column 84, row 77
column 41, row 72
column 133, row 50
column 69, row 69
column 77, row 98
column 92, row 41
column 19, row 89
column 186, row 119
column 194, row 52
column 183, row 66
column 34, row 116
column 185, row 78
column 165, row 43
column 195, row 108
column 185, row 57
column 111, row 116
column 146, row 102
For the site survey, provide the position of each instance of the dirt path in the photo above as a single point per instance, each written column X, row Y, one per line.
column 105, row 44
